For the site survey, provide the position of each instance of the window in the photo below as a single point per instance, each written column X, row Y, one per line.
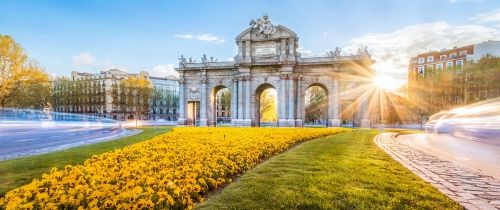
column 449, row 64
column 439, row 66
column 453, row 55
column 420, row 69
column 421, row 60
column 463, row 53
column 459, row 63
column 430, row 58
column 442, row 57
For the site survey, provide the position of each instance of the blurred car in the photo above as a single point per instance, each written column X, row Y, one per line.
column 476, row 121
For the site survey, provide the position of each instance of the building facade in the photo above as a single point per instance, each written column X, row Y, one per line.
column 268, row 58
column 441, row 80
column 165, row 98
column 96, row 94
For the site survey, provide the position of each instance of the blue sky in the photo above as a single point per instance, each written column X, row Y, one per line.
column 93, row 35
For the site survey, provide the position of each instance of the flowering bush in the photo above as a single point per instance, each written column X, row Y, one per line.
column 173, row 170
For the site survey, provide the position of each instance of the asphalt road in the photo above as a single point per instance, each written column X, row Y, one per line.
column 18, row 140
column 477, row 154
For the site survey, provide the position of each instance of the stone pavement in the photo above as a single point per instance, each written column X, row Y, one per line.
column 469, row 187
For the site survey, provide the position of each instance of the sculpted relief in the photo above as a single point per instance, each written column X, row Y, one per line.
column 263, row 26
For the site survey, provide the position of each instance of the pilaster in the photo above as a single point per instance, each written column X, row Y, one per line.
column 203, row 102
column 335, row 119
column 291, row 101
column 234, row 102
column 182, row 102
column 282, row 118
column 299, row 119
column 248, row 120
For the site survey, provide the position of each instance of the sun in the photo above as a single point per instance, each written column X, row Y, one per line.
column 385, row 82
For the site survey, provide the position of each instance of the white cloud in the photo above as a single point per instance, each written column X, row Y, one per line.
column 490, row 17
column 83, row 59
column 392, row 51
column 230, row 59
column 201, row 37
column 164, row 70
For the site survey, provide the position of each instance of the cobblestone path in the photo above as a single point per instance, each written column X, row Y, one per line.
column 469, row 187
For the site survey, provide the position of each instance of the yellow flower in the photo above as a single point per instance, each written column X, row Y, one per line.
column 174, row 169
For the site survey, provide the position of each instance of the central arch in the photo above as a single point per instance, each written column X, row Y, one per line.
column 266, row 106
column 220, row 99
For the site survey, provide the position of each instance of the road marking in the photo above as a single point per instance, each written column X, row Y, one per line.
column 21, row 140
column 55, row 136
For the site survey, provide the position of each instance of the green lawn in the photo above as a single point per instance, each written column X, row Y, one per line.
column 344, row 171
column 17, row 172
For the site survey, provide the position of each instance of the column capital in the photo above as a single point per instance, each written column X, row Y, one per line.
column 182, row 81
column 204, row 80
column 247, row 78
column 297, row 76
column 283, row 76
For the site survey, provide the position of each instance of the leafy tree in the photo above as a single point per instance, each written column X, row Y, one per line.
column 138, row 93
column 315, row 104
column 22, row 82
column 268, row 106
column 158, row 98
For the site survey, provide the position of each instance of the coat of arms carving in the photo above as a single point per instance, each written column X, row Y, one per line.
column 264, row 26
column 193, row 89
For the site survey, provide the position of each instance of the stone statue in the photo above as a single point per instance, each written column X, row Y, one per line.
column 363, row 50
column 263, row 26
column 191, row 60
column 204, row 59
column 337, row 52
column 182, row 61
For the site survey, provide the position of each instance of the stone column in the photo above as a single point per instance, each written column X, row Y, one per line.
column 282, row 101
column 335, row 119
column 299, row 119
column 182, row 102
column 291, row 102
column 234, row 102
column 203, row 102
column 240, row 100
column 248, row 119
column 365, row 117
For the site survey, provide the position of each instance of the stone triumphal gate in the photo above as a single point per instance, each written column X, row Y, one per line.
column 268, row 57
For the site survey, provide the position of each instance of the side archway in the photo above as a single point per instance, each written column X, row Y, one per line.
column 220, row 106
column 266, row 106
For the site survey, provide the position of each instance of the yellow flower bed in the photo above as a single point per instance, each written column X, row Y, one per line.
column 173, row 170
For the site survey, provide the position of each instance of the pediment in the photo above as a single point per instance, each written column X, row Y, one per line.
column 252, row 34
